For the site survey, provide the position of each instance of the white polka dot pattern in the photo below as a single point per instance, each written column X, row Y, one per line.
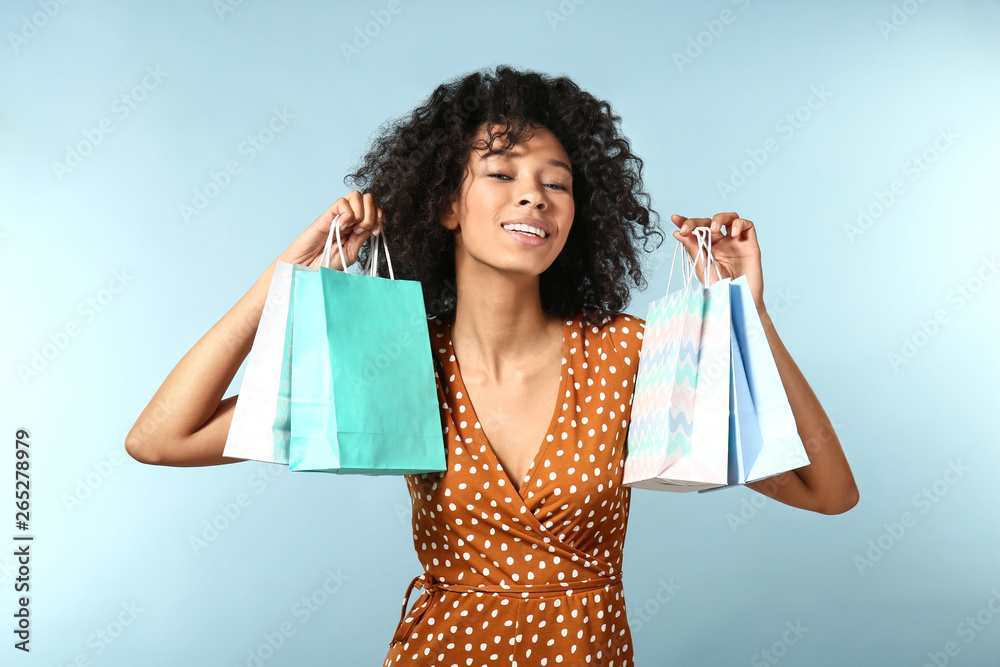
column 528, row 576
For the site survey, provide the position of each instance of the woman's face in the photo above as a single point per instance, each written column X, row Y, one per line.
column 531, row 185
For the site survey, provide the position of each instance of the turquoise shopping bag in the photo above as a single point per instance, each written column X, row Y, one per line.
column 306, row 376
column 282, row 425
column 370, row 406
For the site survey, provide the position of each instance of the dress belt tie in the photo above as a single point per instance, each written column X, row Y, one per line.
column 520, row 591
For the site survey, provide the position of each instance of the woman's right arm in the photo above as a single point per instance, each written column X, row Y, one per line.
column 186, row 423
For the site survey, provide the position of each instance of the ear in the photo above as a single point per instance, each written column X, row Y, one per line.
column 449, row 217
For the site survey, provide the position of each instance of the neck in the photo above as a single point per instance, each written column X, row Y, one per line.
column 499, row 323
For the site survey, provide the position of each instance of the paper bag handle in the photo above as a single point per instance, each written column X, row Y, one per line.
column 684, row 268
column 704, row 235
column 373, row 258
column 689, row 268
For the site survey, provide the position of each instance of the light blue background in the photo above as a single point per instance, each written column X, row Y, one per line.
column 841, row 303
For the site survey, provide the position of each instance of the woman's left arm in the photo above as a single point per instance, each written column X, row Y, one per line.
column 826, row 485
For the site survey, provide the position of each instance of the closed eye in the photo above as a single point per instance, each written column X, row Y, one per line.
column 553, row 185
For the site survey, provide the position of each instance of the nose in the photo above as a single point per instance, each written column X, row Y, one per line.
column 534, row 197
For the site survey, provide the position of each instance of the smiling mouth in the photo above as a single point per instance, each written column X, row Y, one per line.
column 526, row 229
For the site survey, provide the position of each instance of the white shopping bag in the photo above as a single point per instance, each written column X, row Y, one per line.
column 678, row 439
column 259, row 430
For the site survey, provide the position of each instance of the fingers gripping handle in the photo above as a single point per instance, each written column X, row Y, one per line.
column 373, row 258
column 704, row 237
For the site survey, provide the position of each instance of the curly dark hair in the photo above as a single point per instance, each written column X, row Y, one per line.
column 417, row 164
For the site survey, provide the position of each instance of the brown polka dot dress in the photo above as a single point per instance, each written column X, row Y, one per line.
column 529, row 576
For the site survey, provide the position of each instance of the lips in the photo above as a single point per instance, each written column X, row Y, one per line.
column 535, row 225
column 529, row 240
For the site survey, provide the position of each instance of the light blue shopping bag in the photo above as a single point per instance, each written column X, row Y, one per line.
column 777, row 447
column 763, row 436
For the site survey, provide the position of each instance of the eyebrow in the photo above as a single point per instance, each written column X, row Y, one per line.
column 507, row 153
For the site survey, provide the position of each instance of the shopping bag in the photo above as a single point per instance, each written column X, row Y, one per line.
column 282, row 427
column 678, row 437
column 744, row 434
column 745, row 443
column 259, row 429
column 375, row 409
column 707, row 463
column 742, row 428
column 766, row 439
column 663, row 401
column 310, row 388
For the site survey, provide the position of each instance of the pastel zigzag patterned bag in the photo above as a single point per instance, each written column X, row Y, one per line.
column 709, row 410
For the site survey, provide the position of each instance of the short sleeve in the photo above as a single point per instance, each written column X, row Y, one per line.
column 625, row 334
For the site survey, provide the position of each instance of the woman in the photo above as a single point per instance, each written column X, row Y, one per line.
column 515, row 201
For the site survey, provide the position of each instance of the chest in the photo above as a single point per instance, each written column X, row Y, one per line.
column 515, row 417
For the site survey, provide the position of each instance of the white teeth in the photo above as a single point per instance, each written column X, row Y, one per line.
column 526, row 228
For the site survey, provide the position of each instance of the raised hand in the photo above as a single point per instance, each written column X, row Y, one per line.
column 736, row 253
column 360, row 216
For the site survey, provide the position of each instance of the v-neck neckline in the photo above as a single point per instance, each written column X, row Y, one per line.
column 556, row 412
